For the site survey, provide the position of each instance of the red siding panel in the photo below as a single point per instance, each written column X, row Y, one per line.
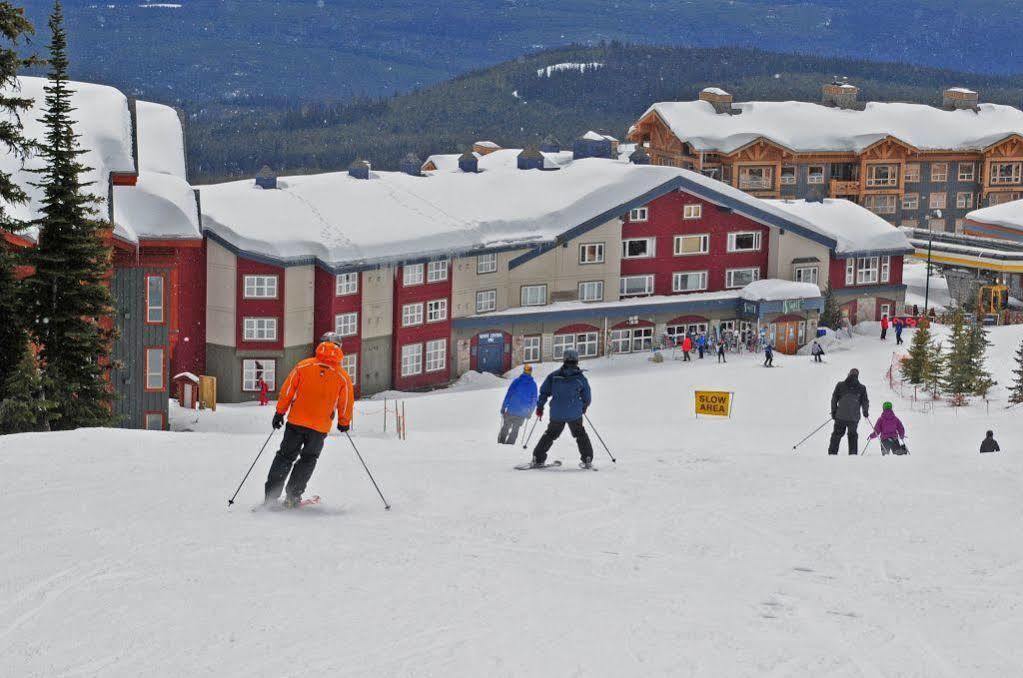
column 328, row 305
column 259, row 308
column 423, row 333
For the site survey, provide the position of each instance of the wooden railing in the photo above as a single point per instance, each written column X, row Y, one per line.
column 839, row 187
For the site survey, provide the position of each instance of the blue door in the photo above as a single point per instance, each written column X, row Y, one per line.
column 490, row 353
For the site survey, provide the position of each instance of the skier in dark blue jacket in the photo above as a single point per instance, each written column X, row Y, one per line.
column 518, row 404
column 569, row 393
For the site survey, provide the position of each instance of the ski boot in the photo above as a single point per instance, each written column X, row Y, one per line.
column 587, row 463
column 291, row 502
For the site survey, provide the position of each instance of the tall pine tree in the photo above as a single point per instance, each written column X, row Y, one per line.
column 982, row 379
column 71, row 301
column 831, row 315
column 913, row 366
column 957, row 380
column 1016, row 390
column 935, row 363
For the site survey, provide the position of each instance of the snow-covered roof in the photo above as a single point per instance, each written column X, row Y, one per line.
column 1006, row 215
column 446, row 162
column 854, row 228
column 771, row 289
column 486, row 144
column 186, row 375
column 716, row 91
column 810, row 127
column 504, row 159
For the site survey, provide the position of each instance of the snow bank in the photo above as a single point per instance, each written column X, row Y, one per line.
column 855, row 228
column 771, row 289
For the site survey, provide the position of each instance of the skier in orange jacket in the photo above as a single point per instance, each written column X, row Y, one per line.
column 314, row 391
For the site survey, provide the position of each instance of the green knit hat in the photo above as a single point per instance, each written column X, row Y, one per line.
column 886, row 406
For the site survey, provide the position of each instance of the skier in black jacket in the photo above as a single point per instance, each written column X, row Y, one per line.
column 848, row 400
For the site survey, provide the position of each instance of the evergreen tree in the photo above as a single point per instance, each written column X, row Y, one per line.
column 25, row 408
column 831, row 315
column 978, row 341
column 913, row 367
column 1016, row 390
column 958, row 375
column 71, row 301
column 935, row 362
column 13, row 334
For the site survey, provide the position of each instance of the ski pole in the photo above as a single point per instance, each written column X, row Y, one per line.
column 826, row 422
column 230, row 502
column 864, row 451
column 372, row 480
column 536, row 420
column 595, row 431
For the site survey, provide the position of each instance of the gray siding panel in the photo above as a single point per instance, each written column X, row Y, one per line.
column 134, row 335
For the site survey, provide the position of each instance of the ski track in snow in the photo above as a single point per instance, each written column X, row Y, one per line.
column 711, row 549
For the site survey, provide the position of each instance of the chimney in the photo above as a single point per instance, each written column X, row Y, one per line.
column 412, row 165
column 359, row 169
column 468, row 162
column 639, row 156
column 594, row 145
column 530, row 158
column 266, row 178
column 841, row 94
column 718, row 98
column 550, row 144
column 959, row 99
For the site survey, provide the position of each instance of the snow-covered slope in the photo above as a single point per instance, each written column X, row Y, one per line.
column 710, row 549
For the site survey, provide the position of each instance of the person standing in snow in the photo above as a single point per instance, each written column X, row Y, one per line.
column 314, row 391
column 884, row 327
column 569, row 393
column 816, row 351
column 899, row 326
column 518, row 404
column 847, row 401
column 989, row 444
column 768, row 355
column 721, row 352
column 264, row 391
column 890, row 430
column 687, row 346
column 701, row 344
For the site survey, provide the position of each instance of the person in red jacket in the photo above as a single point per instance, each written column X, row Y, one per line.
column 884, row 327
column 311, row 395
column 264, row 390
column 687, row 346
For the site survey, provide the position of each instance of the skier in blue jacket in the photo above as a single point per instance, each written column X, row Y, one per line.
column 569, row 393
column 518, row 404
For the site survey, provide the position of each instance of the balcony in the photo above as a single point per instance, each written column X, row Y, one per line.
column 756, row 184
column 840, row 187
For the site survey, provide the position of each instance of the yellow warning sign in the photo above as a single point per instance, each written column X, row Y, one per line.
column 714, row 403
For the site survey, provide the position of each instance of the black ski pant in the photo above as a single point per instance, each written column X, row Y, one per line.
column 700, row 350
column 685, row 356
column 817, row 358
column 721, row 358
column 898, row 338
column 884, row 333
column 769, row 361
column 510, row 429
column 300, row 443
column 555, row 429
column 843, row 428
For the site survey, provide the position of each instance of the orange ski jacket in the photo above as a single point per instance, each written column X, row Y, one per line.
column 316, row 389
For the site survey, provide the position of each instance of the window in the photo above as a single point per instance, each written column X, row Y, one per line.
column 1006, row 173
column 436, row 310
column 632, row 340
column 788, row 175
column 256, row 369
column 346, row 283
column 486, row 263
column 967, row 171
column 636, row 285
column 533, row 295
column 937, row 201
column 259, row 329
column 911, row 201
column 639, row 214
column 350, row 364
column 637, row 248
column 411, row 314
column 437, row 271
column 886, row 269
column 412, row 275
column 880, row 176
column 881, row 204
column 912, row 173
column 692, row 211
column 815, row 174
column 411, row 360
column 740, row 277
column 584, row 342
column 154, row 369
column 756, row 178
column 686, row 245
column 850, row 271
column 531, row 349
column 154, row 299
column 688, row 281
column 346, row 324
column 964, row 201
column 591, row 291
column 677, row 333
column 436, row 355
column 939, row 171
column 807, row 274
column 743, row 242
column 260, row 286
column 486, row 300
column 866, row 270
column 154, row 421
column 591, row 253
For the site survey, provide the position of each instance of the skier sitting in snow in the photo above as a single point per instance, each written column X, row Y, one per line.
column 316, row 389
column 890, row 430
column 569, row 393
column 989, row 444
column 847, row 401
column 518, row 404
column 816, row 351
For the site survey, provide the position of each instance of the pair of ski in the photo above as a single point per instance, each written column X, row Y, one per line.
column 554, row 464
column 279, row 506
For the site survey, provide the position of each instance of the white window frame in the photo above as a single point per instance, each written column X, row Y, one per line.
column 756, row 178
column 999, row 177
column 964, row 200
column 151, row 418
column 591, row 253
column 937, row 201
column 412, row 314
column 586, row 343
column 850, row 271
column 486, row 263
column 911, row 201
column 911, row 172
column 486, row 301
column 939, row 176
column 436, row 355
column 731, row 273
column 692, row 211
column 436, row 310
column 651, row 247
column 704, row 244
column 347, row 324
column 970, row 175
column 648, row 287
column 155, row 381
column 412, row 274
column 891, row 180
column 789, row 175
column 868, row 270
column 733, row 241
column 437, row 271
column 249, row 382
column 677, row 276
column 811, row 178
column 532, row 348
column 806, row 273
column 591, row 290
column 411, row 360
column 155, row 308
column 257, row 286
column 350, row 364
column 638, row 214
column 886, row 268
column 881, row 204
column 346, row 284
column 527, row 296
column 259, row 329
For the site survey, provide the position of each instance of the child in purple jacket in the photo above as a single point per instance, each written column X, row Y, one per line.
column 890, row 430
